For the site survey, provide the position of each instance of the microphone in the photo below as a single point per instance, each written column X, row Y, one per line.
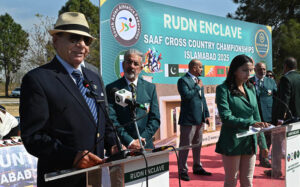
column 123, row 98
column 91, row 93
column 288, row 121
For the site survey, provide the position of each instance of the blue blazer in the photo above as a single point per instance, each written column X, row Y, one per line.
column 193, row 107
column 146, row 93
column 56, row 121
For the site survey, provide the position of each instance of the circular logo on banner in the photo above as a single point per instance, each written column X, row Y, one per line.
column 125, row 24
column 262, row 43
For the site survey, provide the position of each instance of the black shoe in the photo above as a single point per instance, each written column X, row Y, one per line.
column 265, row 163
column 184, row 176
column 201, row 171
column 274, row 174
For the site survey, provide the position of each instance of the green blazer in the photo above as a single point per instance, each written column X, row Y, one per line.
column 264, row 99
column 146, row 93
column 288, row 92
column 237, row 115
column 193, row 107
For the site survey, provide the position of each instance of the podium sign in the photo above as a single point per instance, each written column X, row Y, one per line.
column 158, row 171
column 292, row 165
column 129, row 171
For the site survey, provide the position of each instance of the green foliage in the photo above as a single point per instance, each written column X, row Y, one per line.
column 91, row 13
column 13, row 47
column 289, row 40
column 267, row 12
column 277, row 14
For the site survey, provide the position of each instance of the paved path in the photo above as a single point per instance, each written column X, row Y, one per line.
column 9, row 100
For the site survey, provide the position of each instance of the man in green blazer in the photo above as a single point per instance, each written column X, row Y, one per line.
column 289, row 93
column 193, row 114
column 289, row 90
column 265, row 88
column 145, row 93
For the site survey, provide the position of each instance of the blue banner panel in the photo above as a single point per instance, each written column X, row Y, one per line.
column 170, row 37
column 17, row 167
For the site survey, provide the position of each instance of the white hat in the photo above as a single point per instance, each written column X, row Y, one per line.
column 72, row 22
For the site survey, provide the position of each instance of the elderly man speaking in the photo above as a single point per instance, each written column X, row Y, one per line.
column 60, row 124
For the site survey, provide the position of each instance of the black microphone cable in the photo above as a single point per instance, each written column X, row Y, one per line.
column 138, row 152
column 94, row 147
column 91, row 94
column 162, row 148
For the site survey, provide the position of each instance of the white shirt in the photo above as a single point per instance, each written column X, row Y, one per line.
column 193, row 77
column 129, row 82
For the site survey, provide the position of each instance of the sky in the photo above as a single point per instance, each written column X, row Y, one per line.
column 23, row 11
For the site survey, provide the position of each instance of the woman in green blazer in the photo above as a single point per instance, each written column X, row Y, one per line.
column 237, row 105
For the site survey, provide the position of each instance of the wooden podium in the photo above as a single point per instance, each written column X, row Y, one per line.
column 131, row 171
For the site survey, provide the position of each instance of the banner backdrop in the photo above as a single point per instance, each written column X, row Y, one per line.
column 170, row 37
column 17, row 167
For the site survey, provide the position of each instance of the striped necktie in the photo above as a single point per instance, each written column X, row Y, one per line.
column 90, row 102
column 133, row 90
column 260, row 85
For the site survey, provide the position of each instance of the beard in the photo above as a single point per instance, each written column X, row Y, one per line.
column 130, row 75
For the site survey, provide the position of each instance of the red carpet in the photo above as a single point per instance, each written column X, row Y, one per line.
column 212, row 162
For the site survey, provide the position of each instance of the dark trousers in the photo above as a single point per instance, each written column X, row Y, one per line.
column 190, row 135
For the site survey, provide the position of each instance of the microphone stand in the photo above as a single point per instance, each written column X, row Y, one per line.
column 121, row 154
column 133, row 115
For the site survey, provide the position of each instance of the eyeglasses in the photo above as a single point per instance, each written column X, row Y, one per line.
column 76, row 38
column 269, row 75
column 129, row 62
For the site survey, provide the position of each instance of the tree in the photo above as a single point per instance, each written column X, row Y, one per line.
column 91, row 13
column 267, row 12
column 13, row 46
column 41, row 50
column 289, row 40
column 272, row 13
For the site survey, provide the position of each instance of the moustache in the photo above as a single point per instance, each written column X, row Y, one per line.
column 130, row 71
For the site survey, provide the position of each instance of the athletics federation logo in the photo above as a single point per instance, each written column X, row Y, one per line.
column 125, row 24
column 262, row 43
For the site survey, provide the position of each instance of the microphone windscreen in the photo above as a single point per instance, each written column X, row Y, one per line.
column 113, row 91
column 85, row 83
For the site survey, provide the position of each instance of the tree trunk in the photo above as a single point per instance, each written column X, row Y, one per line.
column 6, row 85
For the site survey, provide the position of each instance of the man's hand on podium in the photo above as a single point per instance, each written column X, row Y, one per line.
column 114, row 149
column 86, row 161
column 135, row 144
